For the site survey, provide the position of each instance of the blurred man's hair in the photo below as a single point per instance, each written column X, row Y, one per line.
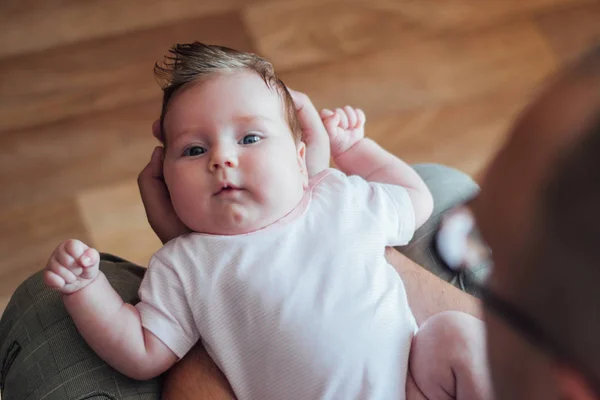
column 194, row 62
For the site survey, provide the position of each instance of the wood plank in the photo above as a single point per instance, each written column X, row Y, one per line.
column 34, row 25
column 431, row 72
column 116, row 222
column 63, row 158
column 116, row 144
column 30, row 232
column 113, row 218
column 462, row 134
column 101, row 74
column 440, row 82
column 571, row 32
column 299, row 33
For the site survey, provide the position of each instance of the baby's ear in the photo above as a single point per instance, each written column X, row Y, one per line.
column 301, row 149
column 301, row 157
column 157, row 132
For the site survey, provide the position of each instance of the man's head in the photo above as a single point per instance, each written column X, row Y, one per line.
column 539, row 210
column 234, row 162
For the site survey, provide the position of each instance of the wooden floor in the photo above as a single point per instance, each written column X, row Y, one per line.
column 440, row 80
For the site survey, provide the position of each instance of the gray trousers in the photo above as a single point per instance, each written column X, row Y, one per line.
column 42, row 355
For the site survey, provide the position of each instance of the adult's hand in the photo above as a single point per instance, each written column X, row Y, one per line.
column 314, row 134
column 155, row 195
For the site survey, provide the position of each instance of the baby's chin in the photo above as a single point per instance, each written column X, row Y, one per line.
column 233, row 221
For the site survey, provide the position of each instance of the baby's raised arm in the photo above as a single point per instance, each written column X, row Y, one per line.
column 111, row 327
column 313, row 133
column 356, row 155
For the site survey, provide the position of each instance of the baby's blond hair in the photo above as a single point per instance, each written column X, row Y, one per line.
column 195, row 61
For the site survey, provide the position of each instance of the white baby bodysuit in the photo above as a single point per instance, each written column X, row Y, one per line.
column 306, row 308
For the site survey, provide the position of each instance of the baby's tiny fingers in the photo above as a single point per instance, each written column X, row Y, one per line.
column 63, row 272
column 75, row 248
column 343, row 118
column 89, row 258
column 362, row 118
column 331, row 123
column 52, row 280
column 326, row 113
column 352, row 117
column 64, row 258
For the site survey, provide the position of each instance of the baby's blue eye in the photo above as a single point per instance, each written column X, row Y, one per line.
column 250, row 139
column 194, row 151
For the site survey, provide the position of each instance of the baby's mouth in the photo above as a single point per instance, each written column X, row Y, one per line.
column 226, row 189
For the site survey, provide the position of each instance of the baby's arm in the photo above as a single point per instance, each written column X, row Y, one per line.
column 313, row 133
column 111, row 327
column 356, row 155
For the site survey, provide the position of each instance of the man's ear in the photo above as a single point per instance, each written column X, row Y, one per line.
column 572, row 385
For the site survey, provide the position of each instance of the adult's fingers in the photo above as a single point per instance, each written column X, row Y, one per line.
column 154, row 168
column 157, row 202
column 153, row 190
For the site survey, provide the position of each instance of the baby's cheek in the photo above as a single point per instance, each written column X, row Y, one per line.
column 180, row 191
column 187, row 207
column 168, row 174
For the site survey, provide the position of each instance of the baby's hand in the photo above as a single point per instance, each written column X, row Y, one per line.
column 72, row 266
column 345, row 128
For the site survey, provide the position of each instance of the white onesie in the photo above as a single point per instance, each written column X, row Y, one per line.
column 306, row 308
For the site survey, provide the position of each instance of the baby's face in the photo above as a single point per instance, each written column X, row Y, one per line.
column 231, row 163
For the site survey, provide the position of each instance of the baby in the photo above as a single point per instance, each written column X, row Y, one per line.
column 283, row 277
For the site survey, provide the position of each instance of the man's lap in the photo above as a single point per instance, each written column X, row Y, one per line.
column 43, row 356
column 449, row 187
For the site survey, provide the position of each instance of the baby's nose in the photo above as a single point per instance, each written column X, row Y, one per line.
column 224, row 163
column 223, row 159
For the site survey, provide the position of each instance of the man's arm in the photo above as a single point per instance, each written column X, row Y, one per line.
column 196, row 377
column 428, row 294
